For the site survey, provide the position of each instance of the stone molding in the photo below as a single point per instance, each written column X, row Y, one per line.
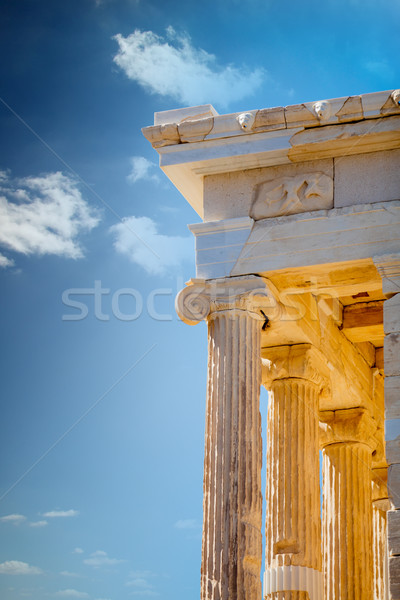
column 301, row 361
column 309, row 114
column 292, row 195
column 388, row 267
column 223, row 239
column 311, row 238
column 239, row 245
column 202, row 300
column 195, row 142
column 354, row 425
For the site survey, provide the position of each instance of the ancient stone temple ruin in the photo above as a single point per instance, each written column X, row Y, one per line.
column 298, row 278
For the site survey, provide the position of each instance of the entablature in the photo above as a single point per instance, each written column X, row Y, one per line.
column 194, row 143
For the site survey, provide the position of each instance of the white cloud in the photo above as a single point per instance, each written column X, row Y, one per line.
column 77, row 551
column 142, row 168
column 69, row 574
column 71, row 594
column 15, row 519
column 138, row 239
column 173, row 210
column 138, row 581
column 38, row 523
column 43, row 215
column 141, row 587
column 186, row 524
column 176, row 69
column 101, row 559
column 61, row 513
column 144, row 593
column 141, row 574
column 17, row 567
column 6, row 262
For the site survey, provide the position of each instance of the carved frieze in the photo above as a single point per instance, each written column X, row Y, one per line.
column 291, row 195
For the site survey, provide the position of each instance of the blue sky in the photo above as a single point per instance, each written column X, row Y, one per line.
column 103, row 401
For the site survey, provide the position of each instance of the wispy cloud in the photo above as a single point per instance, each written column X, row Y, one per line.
column 77, row 551
column 138, row 574
column 144, row 592
column 381, row 69
column 173, row 67
column 101, row 559
column 6, row 262
column 173, row 210
column 17, row 567
column 38, row 523
column 70, row 593
column 14, row 519
column 169, row 251
column 52, row 514
column 186, row 524
column 69, row 574
column 140, row 585
column 43, row 215
column 142, row 168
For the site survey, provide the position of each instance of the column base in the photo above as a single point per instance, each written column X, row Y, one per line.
column 293, row 578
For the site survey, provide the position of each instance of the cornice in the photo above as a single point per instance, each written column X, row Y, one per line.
column 388, row 267
column 204, row 123
column 195, row 142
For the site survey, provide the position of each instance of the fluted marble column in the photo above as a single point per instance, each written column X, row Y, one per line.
column 347, row 441
column 380, row 506
column 232, row 504
column 293, row 563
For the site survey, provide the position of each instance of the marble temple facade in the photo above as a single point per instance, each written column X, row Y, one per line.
column 298, row 278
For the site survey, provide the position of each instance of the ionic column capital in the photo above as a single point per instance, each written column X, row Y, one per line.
column 301, row 361
column 353, row 425
column 202, row 299
column 379, row 488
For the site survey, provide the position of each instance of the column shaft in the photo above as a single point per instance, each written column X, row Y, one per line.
column 232, row 543
column 379, row 551
column 293, row 528
column 347, row 521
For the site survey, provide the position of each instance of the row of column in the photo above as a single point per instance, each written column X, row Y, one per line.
column 353, row 532
column 349, row 565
